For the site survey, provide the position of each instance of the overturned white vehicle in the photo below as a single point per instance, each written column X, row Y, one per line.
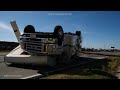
column 44, row 48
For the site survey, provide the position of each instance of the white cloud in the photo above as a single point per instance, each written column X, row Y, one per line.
column 5, row 26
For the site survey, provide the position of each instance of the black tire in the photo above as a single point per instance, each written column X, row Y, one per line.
column 58, row 31
column 59, row 34
column 78, row 33
column 29, row 29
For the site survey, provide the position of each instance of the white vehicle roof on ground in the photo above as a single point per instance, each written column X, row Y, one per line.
column 47, row 48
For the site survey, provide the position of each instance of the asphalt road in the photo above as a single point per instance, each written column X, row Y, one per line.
column 15, row 71
column 3, row 53
column 106, row 53
column 1, row 59
column 94, row 56
column 8, row 72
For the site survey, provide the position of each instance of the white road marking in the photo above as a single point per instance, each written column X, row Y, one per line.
column 33, row 76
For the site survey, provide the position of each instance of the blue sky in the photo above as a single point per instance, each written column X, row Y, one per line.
column 100, row 29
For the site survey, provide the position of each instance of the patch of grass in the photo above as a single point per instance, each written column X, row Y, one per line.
column 113, row 64
column 100, row 69
column 67, row 76
column 79, row 73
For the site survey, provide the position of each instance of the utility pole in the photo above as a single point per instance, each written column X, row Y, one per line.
column 104, row 47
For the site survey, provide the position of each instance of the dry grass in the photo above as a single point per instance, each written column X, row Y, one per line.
column 76, row 73
column 65, row 76
column 110, row 65
column 113, row 64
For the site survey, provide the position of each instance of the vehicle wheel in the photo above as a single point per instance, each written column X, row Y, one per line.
column 59, row 33
column 29, row 29
column 78, row 33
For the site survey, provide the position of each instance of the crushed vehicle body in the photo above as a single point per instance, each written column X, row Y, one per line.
column 44, row 48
